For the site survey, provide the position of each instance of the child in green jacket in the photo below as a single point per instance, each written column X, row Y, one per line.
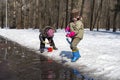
column 76, row 31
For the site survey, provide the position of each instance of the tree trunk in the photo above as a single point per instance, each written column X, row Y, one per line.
column 92, row 12
column 82, row 6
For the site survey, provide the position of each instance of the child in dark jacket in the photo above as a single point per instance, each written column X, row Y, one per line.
column 47, row 33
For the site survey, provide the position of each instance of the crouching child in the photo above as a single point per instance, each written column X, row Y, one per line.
column 47, row 33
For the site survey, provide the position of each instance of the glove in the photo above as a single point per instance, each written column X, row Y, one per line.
column 45, row 42
column 67, row 29
column 71, row 34
column 67, row 35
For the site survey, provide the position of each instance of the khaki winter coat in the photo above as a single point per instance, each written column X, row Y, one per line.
column 78, row 28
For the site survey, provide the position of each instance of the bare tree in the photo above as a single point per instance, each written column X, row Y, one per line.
column 91, row 14
column 108, row 15
column 82, row 7
column 97, row 15
column 116, row 10
column 67, row 12
column 2, row 14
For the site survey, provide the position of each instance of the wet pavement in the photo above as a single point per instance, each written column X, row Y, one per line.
column 20, row 63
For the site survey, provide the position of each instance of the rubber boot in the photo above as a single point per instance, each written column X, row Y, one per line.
column 76, row 56
column 42, row 50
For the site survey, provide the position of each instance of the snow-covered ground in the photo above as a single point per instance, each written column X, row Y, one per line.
column 100, row 51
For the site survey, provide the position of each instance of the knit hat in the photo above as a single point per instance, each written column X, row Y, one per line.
column 50, row 33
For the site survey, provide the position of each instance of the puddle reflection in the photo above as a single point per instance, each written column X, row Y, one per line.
column 19, row 63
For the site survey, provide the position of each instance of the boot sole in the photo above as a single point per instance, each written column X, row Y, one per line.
column 75, row 60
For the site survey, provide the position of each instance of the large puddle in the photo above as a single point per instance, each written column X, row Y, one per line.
column 19, row 63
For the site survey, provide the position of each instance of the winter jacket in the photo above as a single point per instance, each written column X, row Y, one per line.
column 43, row 35
column 78, row 28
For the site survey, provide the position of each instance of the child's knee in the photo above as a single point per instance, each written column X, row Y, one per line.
column 73, row 47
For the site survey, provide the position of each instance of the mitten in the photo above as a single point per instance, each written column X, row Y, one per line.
column 68, row 35
column 67, row 29
column 71, row 34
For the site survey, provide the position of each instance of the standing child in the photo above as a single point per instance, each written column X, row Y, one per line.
column 76, row 31
column 47, row 33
